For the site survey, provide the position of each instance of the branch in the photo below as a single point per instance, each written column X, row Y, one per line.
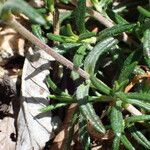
column 33, row 39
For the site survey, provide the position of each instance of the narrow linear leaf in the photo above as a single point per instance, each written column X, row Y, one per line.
column 87, row 109
column 22, row 6
column 126, row 143
column 115, row 30
column 146, row 46
column 83, row 133
column 54, row 87
column 69, row 30
column 118, row 19
column 64, row 98
column 52, row 107
column 101, row 86
column 79, row 56
column 126, row 72
column 121, row 86
column 139, row 96
column 86, row 35
column 139, row 137
column 136, row 102
column 116, row 143
column 61, row 38
column 92, row 58
column 140, row 104
column 37, row 31
column 143, row 11
column 129, row 66
column 80, row 15
column 116, row 120
column 134, row 119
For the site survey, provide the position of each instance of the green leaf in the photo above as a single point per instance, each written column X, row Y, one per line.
column 50, row 5
column 146, row 46
column 87, row 109
column 139, row 137
column 79, row 56
column 37, row 31
column 83, row 133
column 54, row 87
column 143, row 11
column 121, row 86
column 86, row 35
column 116, row 143
column 101, row 86
column 139, row 96
column 22, row 7
column 118, row 19
column 134, row 101
column 126, row 143
column 126, row 72
column 101, row 48
column 64, row 98
column 69, row 30
column 80, row 16
column 134, row 119
column 128, row 67
column 56, row 37
column 65, row 1
column 116, row 120
column 115, row 30
column 61, row 38
column 65, row 47
column 52, row 107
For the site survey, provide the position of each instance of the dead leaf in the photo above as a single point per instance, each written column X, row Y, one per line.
column 34, row 128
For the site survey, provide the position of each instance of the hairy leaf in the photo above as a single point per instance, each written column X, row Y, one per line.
column 102, row 87
column 126, row 143
column 116, row 120
column 87, row 109
column 146, row 46
column 128, row 67
column 115, row 30
column 134, row 101
column 79, row 56
column 80, row 15
column 133, row 119
column 116, row 143
column 139, row 96
column 101, row 48
column 139, row 137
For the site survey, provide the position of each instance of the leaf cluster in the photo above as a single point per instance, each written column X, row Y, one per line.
column 118, row 68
